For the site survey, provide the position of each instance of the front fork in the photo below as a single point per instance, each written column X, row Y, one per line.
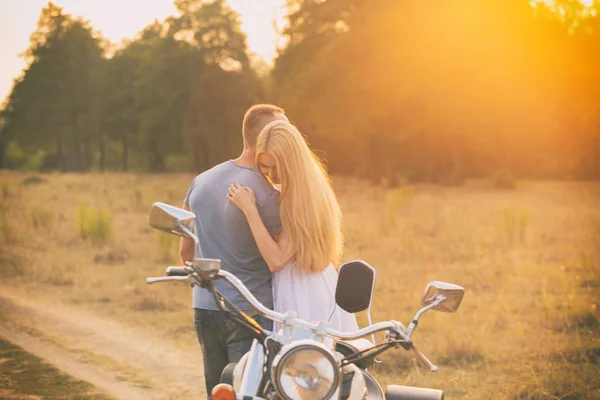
column 253, row 371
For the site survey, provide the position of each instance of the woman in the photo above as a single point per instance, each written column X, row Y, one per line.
column 302, row 257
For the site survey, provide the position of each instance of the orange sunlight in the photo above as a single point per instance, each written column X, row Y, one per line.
column 587, row 3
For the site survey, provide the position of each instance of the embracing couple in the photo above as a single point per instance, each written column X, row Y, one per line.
column 273, row 220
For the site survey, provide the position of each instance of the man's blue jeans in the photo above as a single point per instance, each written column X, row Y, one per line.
column 222, row 342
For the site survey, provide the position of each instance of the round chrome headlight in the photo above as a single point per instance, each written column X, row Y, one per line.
column 305, row 370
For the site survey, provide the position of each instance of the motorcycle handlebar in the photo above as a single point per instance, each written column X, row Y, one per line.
column 176, row 275
column 186, row 279
column 275, row 316
column 282, row 318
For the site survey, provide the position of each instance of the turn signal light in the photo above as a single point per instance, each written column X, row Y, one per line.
column 223, row 391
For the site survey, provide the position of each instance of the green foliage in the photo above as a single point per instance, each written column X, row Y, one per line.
column 33, row 180
column 171, row 99
column 94, row 224
column 416, row 88
column 15, row 158
column 54, row 105
column 380, row 86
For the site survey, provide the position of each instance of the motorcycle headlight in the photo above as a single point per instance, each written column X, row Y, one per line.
column 305, row 371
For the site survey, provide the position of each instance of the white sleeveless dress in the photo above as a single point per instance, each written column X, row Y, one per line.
column 312, row 296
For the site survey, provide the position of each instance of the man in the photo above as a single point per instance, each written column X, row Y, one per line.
column 223, row 233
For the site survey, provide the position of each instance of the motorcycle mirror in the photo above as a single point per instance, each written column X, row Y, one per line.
column 355, row 286
column 171, row 219
column 452, row 293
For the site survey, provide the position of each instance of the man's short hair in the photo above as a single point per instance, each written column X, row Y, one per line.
column 255, row 120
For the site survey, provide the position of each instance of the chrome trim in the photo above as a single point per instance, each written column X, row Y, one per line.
column 299, row 345
column 188, row 232
column 411, row 328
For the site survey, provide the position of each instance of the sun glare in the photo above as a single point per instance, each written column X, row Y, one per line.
column 550, row 3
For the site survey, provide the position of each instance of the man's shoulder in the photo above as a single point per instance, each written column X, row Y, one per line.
column 262, row 188
column 212, row 171
column 230, row 172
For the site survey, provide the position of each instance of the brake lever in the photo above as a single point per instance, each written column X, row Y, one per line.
column 408, row 344
column 424, row 359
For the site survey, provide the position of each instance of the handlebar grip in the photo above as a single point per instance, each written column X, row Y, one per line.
column 177, row 271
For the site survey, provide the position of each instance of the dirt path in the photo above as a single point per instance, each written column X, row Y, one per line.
column 124, row 362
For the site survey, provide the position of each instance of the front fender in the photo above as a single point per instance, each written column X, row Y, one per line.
column 238, row 373
column 374, row 391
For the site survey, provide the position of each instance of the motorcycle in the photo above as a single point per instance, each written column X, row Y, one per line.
column 306, row 359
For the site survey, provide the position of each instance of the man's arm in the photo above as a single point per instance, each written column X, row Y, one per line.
column 186, row 245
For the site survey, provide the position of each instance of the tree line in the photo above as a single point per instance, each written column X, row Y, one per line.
column 403, row 90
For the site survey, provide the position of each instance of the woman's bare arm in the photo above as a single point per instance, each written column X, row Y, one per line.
column 271, row 248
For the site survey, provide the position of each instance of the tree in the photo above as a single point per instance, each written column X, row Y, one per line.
column 392, row 88
column 225, row 85
column 54, row 102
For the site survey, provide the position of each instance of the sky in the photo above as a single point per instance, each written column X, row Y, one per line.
column 118, row 19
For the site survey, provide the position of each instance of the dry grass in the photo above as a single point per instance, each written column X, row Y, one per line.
column 528, row 258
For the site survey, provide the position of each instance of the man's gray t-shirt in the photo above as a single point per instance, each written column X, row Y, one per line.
column 224, row 233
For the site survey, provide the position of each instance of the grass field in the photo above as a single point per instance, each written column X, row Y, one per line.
column 529, row 260
column 26, row 377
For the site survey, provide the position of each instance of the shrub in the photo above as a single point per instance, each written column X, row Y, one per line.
column 94, row 224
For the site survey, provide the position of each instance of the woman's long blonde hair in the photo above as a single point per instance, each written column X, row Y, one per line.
column 310, row 213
